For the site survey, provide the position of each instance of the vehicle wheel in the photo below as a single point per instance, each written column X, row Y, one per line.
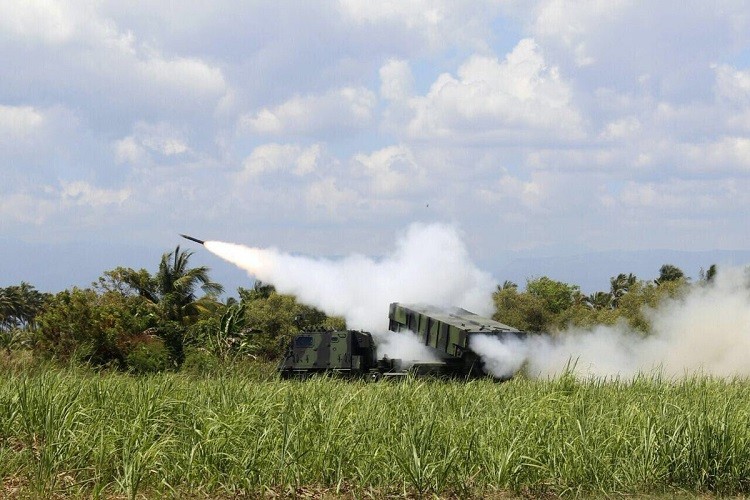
column 375, row 376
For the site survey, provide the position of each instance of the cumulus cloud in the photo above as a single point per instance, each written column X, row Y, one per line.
column 557, row 116
column 393, row 170
column 77, row 49
column 18, row 122
column 187, row 75
column 334, row 200
column 514, row 191
column 148, row 139
column 273, row 157
column 84, row 194
column 438, row 23
column 684, row 198
column 518, row 98
column 572, row 24
column 661, row 48
column 396, row 80
column 128, row 150
column 44, row 203
column 724, row 154
column 337, row 109
column 23, row 208
column 622, row 128
column 45, row 20
column 732, row 84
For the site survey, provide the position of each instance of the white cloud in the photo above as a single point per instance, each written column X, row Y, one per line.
column 342, row 108
column 727, row 153
column 438, row 22
column 659, row 48
column 577, row 160
column 566, row 127
column 511, row 191
column 622, row 128
column 683, row 198
column 23, row 208
column 518, row 98
column 393, row 170
column 335, row 201
column 84, row 194
column 128, row 150
column 573, row 22
column 273, row 157
column 160, row 138
column 732, row 85
column 45, row 20
column 184, row 75
column 82, row 51
column 18, row 122
column 396, row 80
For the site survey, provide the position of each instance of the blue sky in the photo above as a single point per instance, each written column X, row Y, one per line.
column 325, row 128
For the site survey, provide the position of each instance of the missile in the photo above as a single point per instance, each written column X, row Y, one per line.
column 192, row 239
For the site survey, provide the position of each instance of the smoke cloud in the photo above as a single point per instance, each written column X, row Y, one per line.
column 706, row 332
column 430, row 264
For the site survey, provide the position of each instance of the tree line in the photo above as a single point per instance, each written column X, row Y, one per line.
column 140, row 321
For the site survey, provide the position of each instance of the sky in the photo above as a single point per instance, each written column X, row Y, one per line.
column 327, row 128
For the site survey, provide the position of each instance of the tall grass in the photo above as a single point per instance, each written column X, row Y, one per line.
column 74, row 432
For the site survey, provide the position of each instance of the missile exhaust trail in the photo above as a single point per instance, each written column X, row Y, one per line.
column 192, row 239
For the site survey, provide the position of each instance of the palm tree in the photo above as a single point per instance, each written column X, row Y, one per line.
column 620, row 285
column 19, row 306
column 176, row 286
column 172, row 292
column 599, row 300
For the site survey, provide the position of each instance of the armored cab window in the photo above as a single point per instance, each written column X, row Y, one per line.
column 303, row 341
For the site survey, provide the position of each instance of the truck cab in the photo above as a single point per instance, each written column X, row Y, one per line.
column 347, row 352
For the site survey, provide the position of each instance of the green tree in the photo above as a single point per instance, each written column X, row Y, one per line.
column 172, row 294
column 521, row 310
column 556, row 295
column 668, row 273
column 19, row 307
column 95, row 328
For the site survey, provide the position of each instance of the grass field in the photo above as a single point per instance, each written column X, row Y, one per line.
column 79, row 433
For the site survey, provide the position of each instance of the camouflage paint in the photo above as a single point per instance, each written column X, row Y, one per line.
column 348, row 352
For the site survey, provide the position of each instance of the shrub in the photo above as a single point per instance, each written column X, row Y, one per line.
column 149, row 355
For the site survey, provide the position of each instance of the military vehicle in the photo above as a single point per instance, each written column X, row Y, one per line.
column 445, row 333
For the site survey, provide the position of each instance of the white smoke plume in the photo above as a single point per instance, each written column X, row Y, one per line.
column 502, row 357
column 430, row 264
column 706, row 332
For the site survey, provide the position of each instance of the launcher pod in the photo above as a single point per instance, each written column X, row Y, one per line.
column 448, row 332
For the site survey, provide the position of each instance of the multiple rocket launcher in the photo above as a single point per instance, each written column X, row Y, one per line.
column 445, row 333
